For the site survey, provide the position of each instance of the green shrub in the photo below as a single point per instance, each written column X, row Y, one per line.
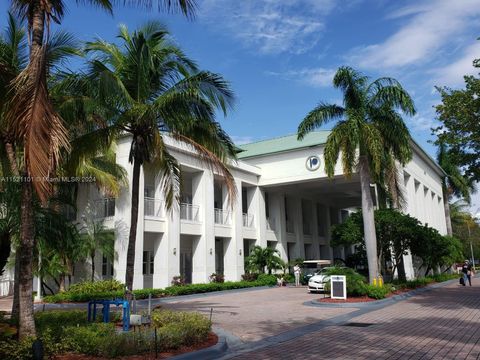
column 93, row 339
column 94, row 287
column 177, row 329
column 57, row 320
column 16, row 350
column 356, row 284
column 266, row 279
column 376, row 292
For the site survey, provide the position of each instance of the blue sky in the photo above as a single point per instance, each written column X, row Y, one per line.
column 280, row 55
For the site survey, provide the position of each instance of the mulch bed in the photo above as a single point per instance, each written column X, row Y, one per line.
column 211, row 341
column 360, row 299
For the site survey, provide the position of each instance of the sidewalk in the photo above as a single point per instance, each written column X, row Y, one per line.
column 442, row 323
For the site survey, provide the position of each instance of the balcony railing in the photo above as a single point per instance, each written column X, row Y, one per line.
column 248, row 220
column 189, row 212
column 154, row 207
column 290, row 227
column 271, row 224
column 104, row 208
column 306, row 229
column 223, row 217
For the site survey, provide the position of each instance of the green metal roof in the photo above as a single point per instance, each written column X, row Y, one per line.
column 280, row 144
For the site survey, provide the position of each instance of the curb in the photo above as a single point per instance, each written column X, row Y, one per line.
column 213, row 352
column 382, row 302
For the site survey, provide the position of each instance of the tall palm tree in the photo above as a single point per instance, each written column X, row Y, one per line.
column 369, row 126
column 153, row 91
column 39, row 129
column 455, row 184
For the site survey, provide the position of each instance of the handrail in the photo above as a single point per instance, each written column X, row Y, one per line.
column 248, row 220
column 222, row 217
column 154, row 207
column 189, row 212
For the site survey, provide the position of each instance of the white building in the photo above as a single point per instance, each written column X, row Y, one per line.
column 285, row 201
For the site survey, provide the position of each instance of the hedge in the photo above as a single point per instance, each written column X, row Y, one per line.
column 91, row 294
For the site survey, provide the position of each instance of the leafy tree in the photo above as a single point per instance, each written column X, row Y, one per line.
column 455, row 184
column 371, row 136
column 459, row 113
column 395, row 233
column 154, row 92
column 38, row 129
column 466, row 228
column 264, row 260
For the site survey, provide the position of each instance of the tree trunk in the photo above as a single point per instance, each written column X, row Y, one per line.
column 16, row 287
column 368, row 220
column 133, row 226
column 26, row 326
column 61, row 287
column 446, row 207
column 92, row 256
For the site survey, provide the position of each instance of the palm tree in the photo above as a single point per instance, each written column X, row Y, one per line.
column 368, row 127
column 455, row 184
column 95, row 237
column 260, row 259
column 39, row 130
column 154, row 91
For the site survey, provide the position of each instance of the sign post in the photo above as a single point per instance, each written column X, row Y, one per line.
column 338, row 287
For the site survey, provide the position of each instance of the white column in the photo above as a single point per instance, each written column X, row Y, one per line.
column 260, row 217
column 314, row 230
column 298, row 220
column 234, row 267
column 277, row 212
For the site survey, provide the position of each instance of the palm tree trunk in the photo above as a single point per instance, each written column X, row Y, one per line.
column 368, row 219
column 92, row 256
column 133, row 226
column 26, row 324
column 448, row 219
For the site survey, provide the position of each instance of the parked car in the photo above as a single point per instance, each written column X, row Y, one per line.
column 311, row 268
column 317, row 282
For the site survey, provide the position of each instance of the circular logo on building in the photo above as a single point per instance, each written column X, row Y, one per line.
column 313, row 163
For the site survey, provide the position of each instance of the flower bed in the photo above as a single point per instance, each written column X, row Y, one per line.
column 68, row 332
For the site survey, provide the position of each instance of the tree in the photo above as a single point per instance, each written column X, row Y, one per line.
column 395, row 233
column 459, row 113
column 369, row 134
column 263, row 260
column 154, row 91
column 95, row 237
column 39, row 130
column 455, row 184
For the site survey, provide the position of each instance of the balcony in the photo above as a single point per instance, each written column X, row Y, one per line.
column 223, row 217
column 271, row 224
column 154, row 207
column 104, row 208
column 306, row 229
column 189, row 212
column 290, row 227
column 248, row 220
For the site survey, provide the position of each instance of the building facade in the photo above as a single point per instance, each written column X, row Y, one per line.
column 284, row 200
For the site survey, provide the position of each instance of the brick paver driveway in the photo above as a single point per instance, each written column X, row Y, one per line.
column 442, row 323
column 256, row 314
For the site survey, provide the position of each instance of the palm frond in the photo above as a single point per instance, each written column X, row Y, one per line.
column 36, row 123
column 319, row 116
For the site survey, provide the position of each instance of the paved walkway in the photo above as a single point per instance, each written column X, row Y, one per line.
column 442, row 323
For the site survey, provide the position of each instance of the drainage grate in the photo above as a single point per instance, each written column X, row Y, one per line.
column 357, row 324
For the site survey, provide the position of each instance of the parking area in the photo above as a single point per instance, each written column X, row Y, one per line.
column 255, row 314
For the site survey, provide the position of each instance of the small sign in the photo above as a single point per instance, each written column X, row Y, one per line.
column 313, row 163
column 338, row 287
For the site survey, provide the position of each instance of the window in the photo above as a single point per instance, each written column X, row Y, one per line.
column 267, row 206
column 107, row 267
column 148, row 264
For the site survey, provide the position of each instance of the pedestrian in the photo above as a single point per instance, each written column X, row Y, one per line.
column 467, row 271
column 296, row 272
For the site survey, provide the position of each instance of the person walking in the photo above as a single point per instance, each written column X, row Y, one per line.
column 467, row 271
column 296, row 272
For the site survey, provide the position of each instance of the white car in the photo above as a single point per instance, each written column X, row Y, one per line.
column 317, row 282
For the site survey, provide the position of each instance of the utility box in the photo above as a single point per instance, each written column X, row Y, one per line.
column 338, row 287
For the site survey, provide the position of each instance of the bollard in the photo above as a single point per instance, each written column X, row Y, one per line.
column 375, row 281
column 149, row 304
column 380, row 281
column 37, row 348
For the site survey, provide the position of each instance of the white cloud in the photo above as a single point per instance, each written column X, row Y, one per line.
column 452, row 74
column 427, row 28
column 240, row 140
column 269, row 26
column 422, row 123
column 316, row 77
